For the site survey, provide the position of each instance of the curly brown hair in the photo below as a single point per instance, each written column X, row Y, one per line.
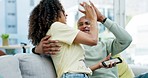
column 41, row 18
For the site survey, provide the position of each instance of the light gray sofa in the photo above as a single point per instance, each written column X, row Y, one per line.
column 139, row 69
column 35, row 66
column 26, row 66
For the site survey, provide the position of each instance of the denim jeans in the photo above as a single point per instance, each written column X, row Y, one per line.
column 74, row 75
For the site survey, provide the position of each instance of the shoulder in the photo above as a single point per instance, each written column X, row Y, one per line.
column 58, row 24
column 62, row 27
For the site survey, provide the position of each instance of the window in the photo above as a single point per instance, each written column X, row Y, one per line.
column 71, row 7
column 11, row 14
column 137, row 26
column 31, row 2
column 11, row 1
column 11, row 18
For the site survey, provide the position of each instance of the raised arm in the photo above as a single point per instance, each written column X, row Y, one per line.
column 122, row 40
column 90, row 38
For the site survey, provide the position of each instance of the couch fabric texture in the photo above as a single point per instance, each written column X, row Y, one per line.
column 26, row 66
column 9, row 67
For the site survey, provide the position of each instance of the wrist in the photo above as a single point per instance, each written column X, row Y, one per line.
column 100, row 65
column 101, row 18
column 103, row 21
column 33, row 51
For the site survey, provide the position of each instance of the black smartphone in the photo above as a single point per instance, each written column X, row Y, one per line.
column 117, row 60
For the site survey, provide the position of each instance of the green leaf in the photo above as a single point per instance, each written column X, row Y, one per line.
column 5, row 36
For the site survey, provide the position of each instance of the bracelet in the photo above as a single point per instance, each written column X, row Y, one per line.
column 33, row 51
column 103, row 21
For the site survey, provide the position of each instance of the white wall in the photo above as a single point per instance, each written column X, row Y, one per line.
column 23, row 12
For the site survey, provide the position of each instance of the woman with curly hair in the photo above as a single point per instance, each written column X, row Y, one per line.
column 49, row 18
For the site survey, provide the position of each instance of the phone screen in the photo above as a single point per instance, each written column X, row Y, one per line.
column 114, row 60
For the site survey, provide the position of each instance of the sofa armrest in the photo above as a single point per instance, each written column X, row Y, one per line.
column 138, row 69
column 9, row 67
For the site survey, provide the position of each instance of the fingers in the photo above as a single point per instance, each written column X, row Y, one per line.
column 89, row 11
column 51, row 47
column 86, row 6
column 47, row 46
column 45, row 38
column 51, row 52
column 91, row 4
column 50, row 43
column 53, row 41
column 45, row 49
column 108, row 57
column 112, row 64
column 84, row 12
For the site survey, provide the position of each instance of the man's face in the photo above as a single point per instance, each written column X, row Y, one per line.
column 84, row 25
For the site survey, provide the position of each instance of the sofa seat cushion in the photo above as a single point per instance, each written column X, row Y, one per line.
column 35, row 66
column 9, row 67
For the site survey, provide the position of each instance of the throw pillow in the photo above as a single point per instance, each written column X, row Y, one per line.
column 35, row 66
column 9, row 67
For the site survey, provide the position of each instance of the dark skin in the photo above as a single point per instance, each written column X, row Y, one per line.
column 47, row 46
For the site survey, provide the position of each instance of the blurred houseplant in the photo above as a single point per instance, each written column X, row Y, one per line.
column 5, row 39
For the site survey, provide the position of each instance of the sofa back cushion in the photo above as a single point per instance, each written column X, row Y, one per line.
column 36, row 66
column 9, row 67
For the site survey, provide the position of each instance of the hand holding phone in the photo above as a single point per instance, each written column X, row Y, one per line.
column 116, row 60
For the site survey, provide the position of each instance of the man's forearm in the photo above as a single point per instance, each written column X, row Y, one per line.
column 118, row 31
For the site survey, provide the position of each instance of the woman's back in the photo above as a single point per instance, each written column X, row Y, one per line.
column 71, row 55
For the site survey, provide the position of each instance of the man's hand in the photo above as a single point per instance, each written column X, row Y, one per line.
column 100, row 65
column 100, row 17
column 112, row 64
column 89, row 11
column 47, row 46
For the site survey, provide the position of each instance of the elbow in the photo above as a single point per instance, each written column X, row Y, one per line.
column 94, row 42
column 130, row 40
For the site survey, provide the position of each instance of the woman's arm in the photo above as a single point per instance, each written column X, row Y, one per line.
column 90, row 38
column 100, row 65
